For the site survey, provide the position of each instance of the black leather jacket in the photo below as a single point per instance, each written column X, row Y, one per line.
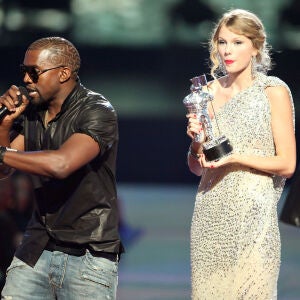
column 81, row 209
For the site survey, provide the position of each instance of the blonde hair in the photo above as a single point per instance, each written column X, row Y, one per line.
column 246, row 23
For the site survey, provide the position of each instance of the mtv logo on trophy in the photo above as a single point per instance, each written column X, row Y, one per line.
column 196, row 102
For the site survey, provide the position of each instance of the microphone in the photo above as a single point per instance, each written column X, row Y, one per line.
column 4, row 110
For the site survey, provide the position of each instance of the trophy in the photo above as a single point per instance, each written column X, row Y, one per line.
column 196, row 102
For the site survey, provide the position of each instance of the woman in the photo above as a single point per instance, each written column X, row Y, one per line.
column 235, row 243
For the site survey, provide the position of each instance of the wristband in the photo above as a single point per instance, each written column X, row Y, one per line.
column 3, row 149
column 193, row 154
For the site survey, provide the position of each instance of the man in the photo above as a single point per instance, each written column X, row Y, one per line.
column 66, row 136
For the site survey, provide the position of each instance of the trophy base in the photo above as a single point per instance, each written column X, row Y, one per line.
column 216, row 149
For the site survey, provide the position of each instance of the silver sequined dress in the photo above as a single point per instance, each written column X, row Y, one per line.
column 235, row 242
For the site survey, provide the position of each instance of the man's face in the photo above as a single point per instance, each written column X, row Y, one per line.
column 41, row 75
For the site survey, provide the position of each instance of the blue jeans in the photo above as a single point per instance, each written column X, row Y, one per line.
column 57, row 275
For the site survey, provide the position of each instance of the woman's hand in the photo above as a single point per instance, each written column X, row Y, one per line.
column 229, row 159
column 196, row 159
column 194, row 128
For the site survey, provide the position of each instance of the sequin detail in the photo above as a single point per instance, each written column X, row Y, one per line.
column 235, row 242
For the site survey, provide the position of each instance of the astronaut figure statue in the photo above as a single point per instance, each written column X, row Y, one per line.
column 197, row 103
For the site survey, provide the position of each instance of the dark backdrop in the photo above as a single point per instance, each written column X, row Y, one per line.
column 153, row 147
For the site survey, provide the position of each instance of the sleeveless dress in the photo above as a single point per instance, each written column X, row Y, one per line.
column 235, row 242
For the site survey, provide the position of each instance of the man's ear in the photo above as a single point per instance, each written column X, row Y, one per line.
column 65, row 74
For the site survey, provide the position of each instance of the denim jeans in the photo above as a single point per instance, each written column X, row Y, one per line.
column 57, row 275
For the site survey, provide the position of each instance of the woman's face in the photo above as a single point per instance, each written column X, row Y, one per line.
column 235, row 50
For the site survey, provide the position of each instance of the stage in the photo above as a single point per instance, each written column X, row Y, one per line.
column 156, row 265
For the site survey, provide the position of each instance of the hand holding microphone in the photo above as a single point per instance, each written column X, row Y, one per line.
column 4, row 110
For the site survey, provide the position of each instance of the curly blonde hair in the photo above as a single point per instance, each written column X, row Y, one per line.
column 246, row 23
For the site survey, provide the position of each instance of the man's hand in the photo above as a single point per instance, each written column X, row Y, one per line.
column 14, row 102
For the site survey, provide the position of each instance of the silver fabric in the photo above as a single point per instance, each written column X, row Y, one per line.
column 235, row 242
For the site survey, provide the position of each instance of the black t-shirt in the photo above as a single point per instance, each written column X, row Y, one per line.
column 82, row 208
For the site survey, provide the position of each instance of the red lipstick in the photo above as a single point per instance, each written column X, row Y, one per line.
column 229, row 62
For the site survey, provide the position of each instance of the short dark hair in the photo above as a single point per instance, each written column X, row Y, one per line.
column 63, row 52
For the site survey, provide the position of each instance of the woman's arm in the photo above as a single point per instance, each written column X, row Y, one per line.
column 195, row 150
column 284, row 161
column 193, row 157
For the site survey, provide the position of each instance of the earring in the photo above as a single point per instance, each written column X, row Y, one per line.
column 221, row 67
column 253, row 66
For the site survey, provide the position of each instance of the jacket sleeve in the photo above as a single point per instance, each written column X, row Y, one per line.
column 99, row 120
